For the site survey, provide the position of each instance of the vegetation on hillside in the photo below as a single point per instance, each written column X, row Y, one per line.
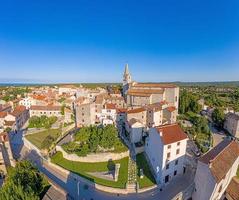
column 95, row 139
column 24, row 182
column 11, row 93
column 41, row 122
column 44, row 139
column 189, row 109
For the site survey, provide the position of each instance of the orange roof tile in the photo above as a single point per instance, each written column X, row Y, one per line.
column 221, row 158
column 110, row 106
column 136, row 110
column 159, row 85
column 232, row 188
column 18, row 110
column 3, row 114
column 171, row 108
column 171, row 133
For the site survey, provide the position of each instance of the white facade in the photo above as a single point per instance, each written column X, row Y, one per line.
column 136, row 132
column 165, row 166
column 209, row 187
column 27, row 102
column 108, row 116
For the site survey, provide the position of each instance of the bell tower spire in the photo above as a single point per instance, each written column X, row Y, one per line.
column 126, row 76
column 126, row 80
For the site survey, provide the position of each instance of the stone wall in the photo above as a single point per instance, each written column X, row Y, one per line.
column 93, row 158
column 89, row 183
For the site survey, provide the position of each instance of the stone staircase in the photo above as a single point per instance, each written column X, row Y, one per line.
column 132, row 174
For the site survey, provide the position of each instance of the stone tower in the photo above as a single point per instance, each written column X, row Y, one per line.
column 126, row 80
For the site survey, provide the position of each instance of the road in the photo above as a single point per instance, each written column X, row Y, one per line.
column 77, row 188
column 217, row 135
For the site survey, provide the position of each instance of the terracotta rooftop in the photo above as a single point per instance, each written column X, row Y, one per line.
column 136, row 110
column 49, row 108
column 158, row 85
column 110, row 106
column 171, row 133
column 171, row 108
column 3, row 114
column 39, row 97
column 18, row 111
column 9, row 123
column 121, row 110
column 232, row 188
column 221, row 158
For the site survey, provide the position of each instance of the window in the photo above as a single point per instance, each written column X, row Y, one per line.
column 176, row 98
column 83, row 120
column 168, row 155
column 220, row 189
column 169, row 146
column 177, row 152
column 178, row 143
column 166, row 179
column 167, row 166
column 175, row 173
column 83, row 114
column 176, row 162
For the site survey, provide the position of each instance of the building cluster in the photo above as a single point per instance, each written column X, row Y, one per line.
column 146, row 116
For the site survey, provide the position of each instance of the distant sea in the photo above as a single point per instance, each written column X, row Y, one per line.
column 216, row 83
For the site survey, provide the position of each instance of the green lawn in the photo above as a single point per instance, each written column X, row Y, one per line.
column 148, row 179
column 81, row 169
column 44, row 139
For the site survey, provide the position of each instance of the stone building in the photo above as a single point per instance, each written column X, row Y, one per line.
column 85, row 114
column 48, row 111
column 231, row 124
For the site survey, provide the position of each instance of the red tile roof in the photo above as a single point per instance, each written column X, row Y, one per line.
column 158, row 85
column 171, row 133
column 110, row 106
column 3, row 114
column 9, row 123
column 136, row 110
column 171, row 108
column 18, row 111
column 121, row 110
column 221, row 158
column 39, row 97
column 232, row 188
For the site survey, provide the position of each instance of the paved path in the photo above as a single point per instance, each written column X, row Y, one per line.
column 217, row 135
column 78, row 190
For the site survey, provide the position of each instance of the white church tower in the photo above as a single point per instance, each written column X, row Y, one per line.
column 126, row 80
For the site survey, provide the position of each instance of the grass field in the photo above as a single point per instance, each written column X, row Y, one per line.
column 148, row 179
column 81, row 169
column 44, row 139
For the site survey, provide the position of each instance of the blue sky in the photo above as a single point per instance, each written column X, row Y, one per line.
column 90, row 41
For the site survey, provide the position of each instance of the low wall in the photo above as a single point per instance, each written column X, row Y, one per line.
column 30, row 146
column 147, row 189
column 89, row 183
column 93, row 158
